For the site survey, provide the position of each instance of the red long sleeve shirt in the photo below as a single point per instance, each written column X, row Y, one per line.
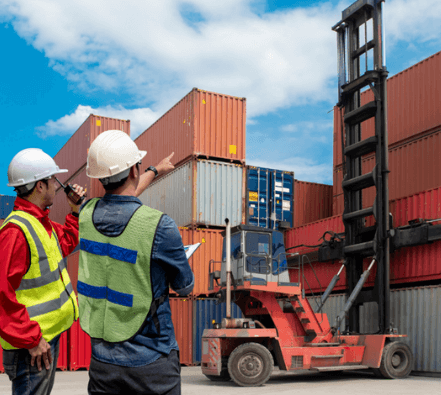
column 15, row 325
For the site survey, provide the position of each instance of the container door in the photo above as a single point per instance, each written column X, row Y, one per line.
column 258, row 187
column 281, row 200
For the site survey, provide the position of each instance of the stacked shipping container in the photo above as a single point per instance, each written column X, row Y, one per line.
column 6, row 205
column 414, row 131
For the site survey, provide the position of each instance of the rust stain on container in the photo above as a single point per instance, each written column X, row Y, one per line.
column 312, row 202
column 182, row 317
column 413, row 97
column 203, row 124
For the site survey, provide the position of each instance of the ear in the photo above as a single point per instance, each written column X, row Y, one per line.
column 133, row 172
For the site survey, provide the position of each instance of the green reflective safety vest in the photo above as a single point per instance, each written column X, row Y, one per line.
column 114, row 283
column 49, row 298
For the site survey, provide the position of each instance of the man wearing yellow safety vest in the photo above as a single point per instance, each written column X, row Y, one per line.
column 37, row 299
column 129, row 256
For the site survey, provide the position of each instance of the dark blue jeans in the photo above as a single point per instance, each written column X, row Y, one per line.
column 162, row 377
column 26, row 379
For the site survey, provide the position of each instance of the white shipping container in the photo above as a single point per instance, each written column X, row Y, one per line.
column 199, row 193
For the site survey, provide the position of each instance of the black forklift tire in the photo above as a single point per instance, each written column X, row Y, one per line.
column 396, row 361
column 250, row 365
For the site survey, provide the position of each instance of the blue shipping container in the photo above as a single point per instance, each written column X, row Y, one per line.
column 205, row 311
column 6, row 205
column 269, row 196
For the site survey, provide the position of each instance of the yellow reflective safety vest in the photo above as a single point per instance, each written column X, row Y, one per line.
column 48, row 296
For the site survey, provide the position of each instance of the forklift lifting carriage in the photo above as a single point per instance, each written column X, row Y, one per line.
column 280, row 327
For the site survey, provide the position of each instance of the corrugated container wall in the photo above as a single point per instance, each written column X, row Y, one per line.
column 413, row 168
column 269, row 195
column 6, row 205
column 210, row 250
column 413, row 98
column 205, row 311
column 312, row 202
column 200, row 192
column 73, row 155
column 407, row 265
column 80, row 348
column 182, row 317
column 203, row 123
column 415, row 312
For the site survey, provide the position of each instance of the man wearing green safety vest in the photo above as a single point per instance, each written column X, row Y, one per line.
column 37, row 298
column 129, row 256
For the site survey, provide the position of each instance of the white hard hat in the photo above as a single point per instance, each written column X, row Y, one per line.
column 111, row 153
column 29, row 166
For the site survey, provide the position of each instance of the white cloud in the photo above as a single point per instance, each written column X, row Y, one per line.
column 152, row 52
column 140, row 119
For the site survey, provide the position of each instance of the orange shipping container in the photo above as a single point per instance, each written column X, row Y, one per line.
column 73, row 155
column 312, row 202
column 204, row 124
column 182, row 317
column 413, row 168
column 211, row 249
column 413, row 98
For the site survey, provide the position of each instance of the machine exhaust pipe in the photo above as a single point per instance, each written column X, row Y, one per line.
column 228, row 266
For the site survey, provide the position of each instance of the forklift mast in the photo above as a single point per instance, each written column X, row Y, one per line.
column 361, row 64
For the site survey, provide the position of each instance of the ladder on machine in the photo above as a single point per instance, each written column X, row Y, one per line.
column 362, row 241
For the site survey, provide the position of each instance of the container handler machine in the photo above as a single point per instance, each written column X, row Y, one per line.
column 280, row 326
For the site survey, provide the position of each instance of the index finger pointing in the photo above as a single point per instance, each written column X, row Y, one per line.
column 171, row 155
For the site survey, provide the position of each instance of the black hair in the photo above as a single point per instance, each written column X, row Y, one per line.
column 28, row 193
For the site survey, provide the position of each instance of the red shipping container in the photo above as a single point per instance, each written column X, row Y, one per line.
column 312, row 202
column 412, row 168
column 413, row 98
column 407, row 265
column 62, row 362
column 204, row 124
column 73, row 155
column 182, row 317
column 80, row 349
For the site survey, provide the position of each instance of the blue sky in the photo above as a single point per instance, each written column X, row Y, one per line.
column 135, row 59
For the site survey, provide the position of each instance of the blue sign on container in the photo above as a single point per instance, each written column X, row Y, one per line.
column 205, row 311
column 269, row 197
column 6, row 205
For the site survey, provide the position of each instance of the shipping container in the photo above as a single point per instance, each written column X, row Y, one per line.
column 407, row 265
column 200, row 192
column 204, row 124
column 182, row 317
column 63, row 361
column 205, row 311
column 80, row 348
column 413, row 168
column 413, row 98
column 312, row 202
column 6, row 205
column 73, row 155
column 415, row 312
column 269, row 197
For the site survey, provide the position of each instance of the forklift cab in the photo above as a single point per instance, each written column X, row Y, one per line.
column 257, row 255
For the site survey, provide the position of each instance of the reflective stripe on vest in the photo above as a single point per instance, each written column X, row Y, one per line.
column 34, row 292
column 114, row 284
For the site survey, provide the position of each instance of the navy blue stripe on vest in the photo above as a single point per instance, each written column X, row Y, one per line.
column 105, row 249
column 112, row 296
